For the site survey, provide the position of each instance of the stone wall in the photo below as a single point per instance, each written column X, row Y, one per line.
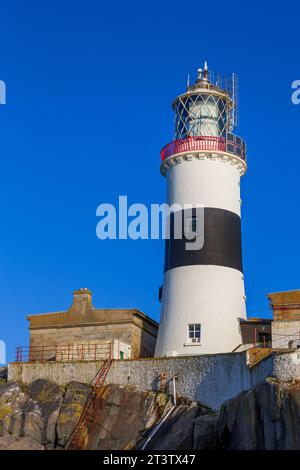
column 286, row 367
column 69, row 335
column 283, row 332
column 208, row 379
column 142, row 341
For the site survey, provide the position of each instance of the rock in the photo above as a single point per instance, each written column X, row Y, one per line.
column 72, row 406
column 19, row 443
column 9, row 410
column 41, row 420
column 3, row 374
column 43, row 415
column 268, row 403
column 31, row 412
column 244, row 435
column 290, row 404
column 264, row 418
column 205, row 432
column 122, row 416
column 177, row 431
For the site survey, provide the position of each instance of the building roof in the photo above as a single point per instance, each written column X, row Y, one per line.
column 95, row 316
column 83, row 313
column 284, row 297
column 256, row 320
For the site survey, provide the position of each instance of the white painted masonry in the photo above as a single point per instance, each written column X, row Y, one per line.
column 210, row 295
column 213, row 182
column 207, row 379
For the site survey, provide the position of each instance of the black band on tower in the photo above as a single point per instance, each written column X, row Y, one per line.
column 222, row 242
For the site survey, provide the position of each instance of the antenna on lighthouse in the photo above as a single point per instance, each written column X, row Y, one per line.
column 205, row 73
column 188, row 81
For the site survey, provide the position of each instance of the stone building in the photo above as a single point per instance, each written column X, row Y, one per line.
column 87, row 333
column 286, row 318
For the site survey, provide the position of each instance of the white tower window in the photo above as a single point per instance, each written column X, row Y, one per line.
column 194, row 332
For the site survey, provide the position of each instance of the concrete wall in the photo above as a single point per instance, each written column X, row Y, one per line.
column 283, row 332
column 208, row 379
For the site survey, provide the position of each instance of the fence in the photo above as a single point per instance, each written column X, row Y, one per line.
column 64, row 352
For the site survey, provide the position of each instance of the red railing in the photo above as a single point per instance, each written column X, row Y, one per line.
column 199, row 143
column 193, row 143
column 64, row 353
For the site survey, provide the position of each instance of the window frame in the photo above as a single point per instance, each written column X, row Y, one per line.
column 197, row 339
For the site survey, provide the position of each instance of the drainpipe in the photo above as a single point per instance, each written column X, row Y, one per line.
column 174, row 389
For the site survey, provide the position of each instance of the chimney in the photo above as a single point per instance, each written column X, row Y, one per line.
column 82, row 302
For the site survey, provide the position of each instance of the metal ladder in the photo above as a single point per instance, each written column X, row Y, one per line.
column 74, row 438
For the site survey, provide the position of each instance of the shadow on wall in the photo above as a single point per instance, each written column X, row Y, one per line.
column 147, row 345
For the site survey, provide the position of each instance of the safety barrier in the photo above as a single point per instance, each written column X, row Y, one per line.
column 64, row 352
column 232, row 144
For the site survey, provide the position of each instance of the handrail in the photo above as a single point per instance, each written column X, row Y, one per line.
column 235, row 146
column 64, row 352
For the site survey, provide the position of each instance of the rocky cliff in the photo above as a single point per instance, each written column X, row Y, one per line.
column 43, row 415
column 264, row 418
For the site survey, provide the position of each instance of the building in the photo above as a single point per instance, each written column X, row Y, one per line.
column 87, row 333
column 256, row 331
column 203, row 297
column 286, row 318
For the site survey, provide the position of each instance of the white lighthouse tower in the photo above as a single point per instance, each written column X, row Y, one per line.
column 203, row 296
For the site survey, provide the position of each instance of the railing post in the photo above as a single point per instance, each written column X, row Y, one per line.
column 18, row 354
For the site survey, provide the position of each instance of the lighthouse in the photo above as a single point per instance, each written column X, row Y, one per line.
column 203, row 296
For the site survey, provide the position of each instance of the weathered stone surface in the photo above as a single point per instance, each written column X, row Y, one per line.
column 122, row 415
column 30, row 412
column 44, row 414
column 71, row 409
column 47, row 398
column 205, row 432
column 265, row 418
column 177, row 431
column 19, row 443
column 10, row 397
column 290, row 405
column 3, row 374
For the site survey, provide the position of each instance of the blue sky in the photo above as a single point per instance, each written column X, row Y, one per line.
column 89, row 88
